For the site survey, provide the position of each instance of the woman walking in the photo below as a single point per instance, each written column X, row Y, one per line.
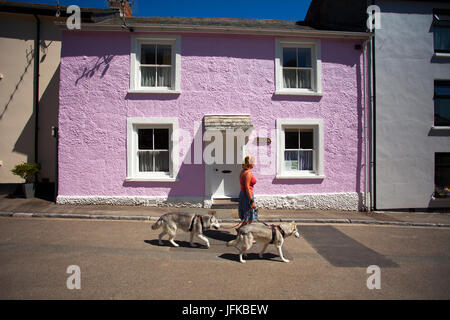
column 247, row 211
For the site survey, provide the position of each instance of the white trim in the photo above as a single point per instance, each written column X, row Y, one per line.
column 440, row 128
column 132, row 125
column 136, row 41
column 348, row 201
column 441, row 55
column 317, row 126
column 316, row 56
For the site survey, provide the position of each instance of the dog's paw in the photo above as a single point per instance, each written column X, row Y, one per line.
column 286, row 260
column 174, row 244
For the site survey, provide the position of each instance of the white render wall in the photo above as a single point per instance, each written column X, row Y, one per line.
column 405, row 74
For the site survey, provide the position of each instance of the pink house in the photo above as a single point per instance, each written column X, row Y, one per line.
column 161, row 112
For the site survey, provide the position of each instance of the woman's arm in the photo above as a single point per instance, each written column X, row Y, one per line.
column 248, row 190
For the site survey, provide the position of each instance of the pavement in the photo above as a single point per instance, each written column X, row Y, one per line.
column 40, row 208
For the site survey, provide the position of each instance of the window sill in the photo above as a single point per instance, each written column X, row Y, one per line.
column 151, row 179
column 298, row 93
column 159, row 90
column 444, row 55
column 440, row 128
column 300, row 176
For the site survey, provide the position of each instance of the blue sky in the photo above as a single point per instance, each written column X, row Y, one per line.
column 256, row 9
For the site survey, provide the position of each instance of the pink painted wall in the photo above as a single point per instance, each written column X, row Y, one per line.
column 219, row 74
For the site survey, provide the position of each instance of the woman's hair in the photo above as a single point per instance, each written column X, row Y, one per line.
column 247, row 162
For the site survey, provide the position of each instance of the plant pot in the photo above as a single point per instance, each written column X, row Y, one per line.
column 28, row 190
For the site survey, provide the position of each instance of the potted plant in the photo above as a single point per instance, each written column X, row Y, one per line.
column 27, row 171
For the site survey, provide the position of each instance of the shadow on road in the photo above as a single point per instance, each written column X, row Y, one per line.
column 251, row 256
column 181, row 243
column 342, row 251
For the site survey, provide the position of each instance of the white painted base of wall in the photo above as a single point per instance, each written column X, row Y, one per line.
column 347, row 201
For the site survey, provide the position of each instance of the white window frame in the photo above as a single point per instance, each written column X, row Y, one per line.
column 133, row 124
column 316, row 64
column 135, row 59
column 318, row 155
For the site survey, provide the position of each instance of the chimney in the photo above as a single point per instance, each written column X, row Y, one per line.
column 122, row 5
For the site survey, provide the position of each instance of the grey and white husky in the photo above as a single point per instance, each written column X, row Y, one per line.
column 188, row 222
column 267, row 235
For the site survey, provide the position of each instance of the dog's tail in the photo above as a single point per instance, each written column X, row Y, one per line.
column 235, row 241
column 157, row 224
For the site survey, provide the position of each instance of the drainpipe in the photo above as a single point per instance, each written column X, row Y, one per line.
column 37, row 48
column 366, row 207
column 373, row 124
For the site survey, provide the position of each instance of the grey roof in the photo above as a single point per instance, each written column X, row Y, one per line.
column 87, row 14
column 208, row 22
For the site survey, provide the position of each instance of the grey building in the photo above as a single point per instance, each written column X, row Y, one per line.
column 410, row 97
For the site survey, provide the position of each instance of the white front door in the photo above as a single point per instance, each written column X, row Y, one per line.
column 223, row 179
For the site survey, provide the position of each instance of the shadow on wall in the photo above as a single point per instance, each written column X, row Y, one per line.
column 102, row 61
column 29, row 54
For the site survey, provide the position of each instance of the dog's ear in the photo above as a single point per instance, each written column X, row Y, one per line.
column 211, row 212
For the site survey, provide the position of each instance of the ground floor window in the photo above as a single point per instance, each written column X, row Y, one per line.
column 442, row 174
column 300, row 149
column 151, row 146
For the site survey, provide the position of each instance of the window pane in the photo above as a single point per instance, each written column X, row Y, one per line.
column 306, row 140
column 441, row 38
column 291, row 160
column 289, row 57
column 291, row 140
column 148, row 76
column 148, row 54
column 442, row 174
column 145, row 161
column 442, row 112
column 304, row 79
column 441, row 88
column 164, row 76
column 289, row 78
column 164, row 54
column 145, row 139
column 161, row 161
column 306, row 160
column 162, row 139
column 304, row 57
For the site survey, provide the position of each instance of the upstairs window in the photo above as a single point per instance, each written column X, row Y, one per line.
column 441, row 30
column 442, row 103
column 298, row 67
column 155, row 64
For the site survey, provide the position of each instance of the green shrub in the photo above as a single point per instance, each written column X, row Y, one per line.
column 26, row 171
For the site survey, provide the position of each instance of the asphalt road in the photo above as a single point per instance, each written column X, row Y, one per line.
column 122, row 260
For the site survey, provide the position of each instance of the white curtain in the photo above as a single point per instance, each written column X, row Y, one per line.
column 306, row 160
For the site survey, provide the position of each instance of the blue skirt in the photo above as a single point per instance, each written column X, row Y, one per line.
column 246, row 212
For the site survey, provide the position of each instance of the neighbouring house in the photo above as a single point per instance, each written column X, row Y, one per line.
column 29, row 91
column 411, row 97
column 161, row 111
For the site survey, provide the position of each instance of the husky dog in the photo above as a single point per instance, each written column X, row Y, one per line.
column 188, row 222
column 267, row 235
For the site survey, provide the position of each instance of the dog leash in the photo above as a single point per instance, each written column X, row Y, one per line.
column 240, row 222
